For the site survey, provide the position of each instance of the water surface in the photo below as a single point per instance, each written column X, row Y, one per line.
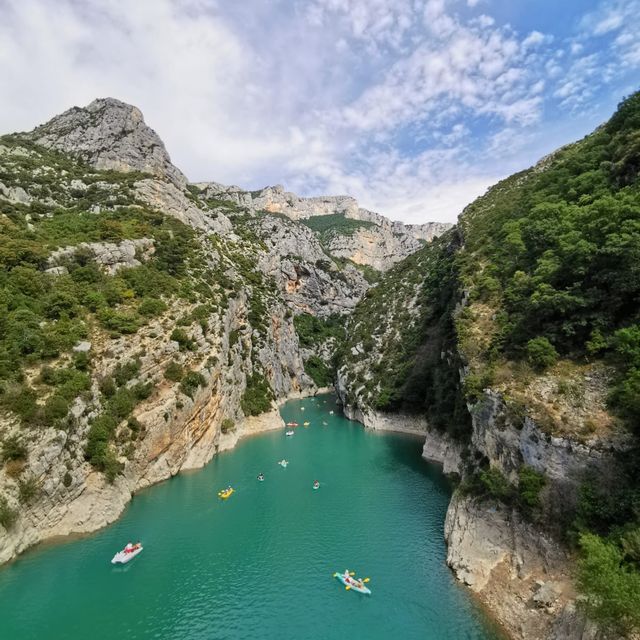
column 260, row 565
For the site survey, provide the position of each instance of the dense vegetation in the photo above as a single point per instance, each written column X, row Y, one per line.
column 558, row 252
column 554, row 252
column 408, row 321
column 548, row 272
column 326, row 227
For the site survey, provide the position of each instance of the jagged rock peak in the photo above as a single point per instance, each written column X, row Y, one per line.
column 109, row 134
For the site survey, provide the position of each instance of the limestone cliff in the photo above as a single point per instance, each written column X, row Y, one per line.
column 375, row 241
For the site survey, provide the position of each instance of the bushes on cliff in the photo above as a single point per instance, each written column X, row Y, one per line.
column 8, row 516
column 13, row 449
column 530, row 485
column 98, row 451
column 609, row 583
column 174, row 371
column 312, row 330
column 541, row 353
column 257, row 396
column 318, row 371
column 191, row 382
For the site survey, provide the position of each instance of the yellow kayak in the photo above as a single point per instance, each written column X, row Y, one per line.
column 225, row 493
column 306, row 424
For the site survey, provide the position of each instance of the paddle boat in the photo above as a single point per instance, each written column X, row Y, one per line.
column 316, row 484
column 289, row 433
column 127, row 554
column 352, row 584
column 261, row 477
column 225, row 493
column 283, row 463
column 306, row 424
column 292, row 424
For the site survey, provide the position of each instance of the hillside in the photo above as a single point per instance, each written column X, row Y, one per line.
column 514, row 341
column 145, row 322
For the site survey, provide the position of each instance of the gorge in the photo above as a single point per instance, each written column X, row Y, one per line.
column 147, row 323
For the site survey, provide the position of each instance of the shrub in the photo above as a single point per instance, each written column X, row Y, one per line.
column 541, row 353
column 127, row 371
column 67, row 479
column 122, row 403
column 28, row 490
column 97, row 451
column 151, row 307
column 227, row 425
column 191, row 382
column 496, row 485
column 530, row 484
column 257, row 396
column 119, row 322
column 184, row 341
column 318, row 371
column 13, row 449
column 8, row 516
column 55, row 409
column 611, row 586
column 21, row 400
column 173, row 371
column 107, row 386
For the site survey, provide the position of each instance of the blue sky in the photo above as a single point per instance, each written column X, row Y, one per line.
column 414, row 107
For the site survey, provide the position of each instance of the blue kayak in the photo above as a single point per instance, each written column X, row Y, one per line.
column 354, row 585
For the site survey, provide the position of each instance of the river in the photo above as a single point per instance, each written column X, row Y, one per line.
column 261, row 564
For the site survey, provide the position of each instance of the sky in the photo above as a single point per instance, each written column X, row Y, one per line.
column 415, row 107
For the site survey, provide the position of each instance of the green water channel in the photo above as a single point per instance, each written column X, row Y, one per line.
column 260, row 564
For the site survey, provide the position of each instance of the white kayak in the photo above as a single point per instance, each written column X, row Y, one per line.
column 283, row 463
column 354, row 585
column 127, row 554
column 289, row 433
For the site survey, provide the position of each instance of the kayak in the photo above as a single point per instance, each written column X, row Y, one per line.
column 330, row 413
column 225, row 493
column 283, row 463
column 288, row 433
column 316, row 486
column 353, row 585
column 292, row 424
column 127, row 554
column 306, row 424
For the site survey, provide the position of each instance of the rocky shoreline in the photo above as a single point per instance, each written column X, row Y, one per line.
column 519, row 574
column 99, row 503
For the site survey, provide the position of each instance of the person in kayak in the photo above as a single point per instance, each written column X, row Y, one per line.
column 316, row 484
column 260, row 477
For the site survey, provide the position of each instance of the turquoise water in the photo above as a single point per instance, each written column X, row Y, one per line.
column 260, row 564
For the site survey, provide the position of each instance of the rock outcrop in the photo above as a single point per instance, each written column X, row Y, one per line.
column 109, row 134
column 378, row 243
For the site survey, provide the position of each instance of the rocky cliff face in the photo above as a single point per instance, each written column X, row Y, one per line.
column 378, row 243
column 146, row 323
column 109, row 134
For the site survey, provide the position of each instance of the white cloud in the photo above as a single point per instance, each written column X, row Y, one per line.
column 406, row 104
